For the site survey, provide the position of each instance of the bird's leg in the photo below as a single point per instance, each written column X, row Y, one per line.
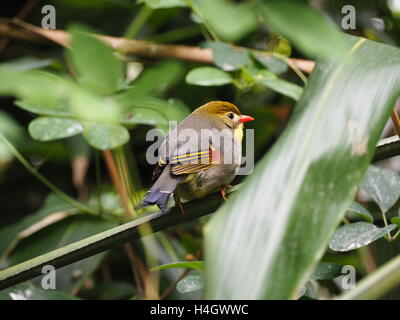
column 223, row 191
column 178, row 203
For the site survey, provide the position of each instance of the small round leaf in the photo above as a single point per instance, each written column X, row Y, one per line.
column 356, row 235
column 52, row 128
column 190, row 284
column 208, row 76
column 105, row 136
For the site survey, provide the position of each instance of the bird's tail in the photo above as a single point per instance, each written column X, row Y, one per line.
column 161, row 191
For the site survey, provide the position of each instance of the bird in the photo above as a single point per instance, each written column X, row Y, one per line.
column 200, row 156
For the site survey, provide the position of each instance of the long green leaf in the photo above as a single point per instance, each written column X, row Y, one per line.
column 264, row 242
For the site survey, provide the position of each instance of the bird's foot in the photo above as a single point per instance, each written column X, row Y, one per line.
column 224, row 190
column 178, row 203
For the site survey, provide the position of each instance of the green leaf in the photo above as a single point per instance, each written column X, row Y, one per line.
column 49, row 94
column 181, row 264
column 356, row 235
column 396, row 221
column 305, row 27
column 358, row 209
column 208, row 76
column 227, row 57
column 284, row 87
column 327, row 270
column 30, row 292
column 94, row 62
column 383, row 185
column 190, row 284
column 231, row 21
column 272, row 63
column 52, row 128
column 264, row 241
column 105, row 136
column 158, row 4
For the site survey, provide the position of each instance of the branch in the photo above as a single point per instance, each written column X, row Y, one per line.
column 137, row 47
column 108, row 239
column 387, row 148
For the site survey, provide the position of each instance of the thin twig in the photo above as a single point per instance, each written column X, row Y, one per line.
column 136, row 47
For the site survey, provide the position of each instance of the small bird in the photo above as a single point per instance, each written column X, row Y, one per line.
column 200, row 156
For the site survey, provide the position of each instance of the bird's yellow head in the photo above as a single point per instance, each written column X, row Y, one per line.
column 227, row 112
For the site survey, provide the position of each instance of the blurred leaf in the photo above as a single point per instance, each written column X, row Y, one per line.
column 264, row 241
column 51, row 128
column 55, row 236
column 94, row 63
column 26, row 291
column 208, row 76
column 383, row 185
column 26, row 63
column 190, row 284
column 227, row 57
column 181, row 264
column 158, row 4
column 356, row 235
column 109, row 291
column 11, row 235
column 49, row 94
column 158, row 79
column 327, row 270
column 305, row 27
column 105, row 136
column 231, row 21
column 284, row 87
column 12, row 131
column 357, row 208
column 273, row 64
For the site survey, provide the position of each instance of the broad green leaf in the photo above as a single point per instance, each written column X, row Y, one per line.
column 182, row 264
column 264, row 242
column 30, row 292
column 52, row 128
column 104, row 136
column 158, row 4
column 305, row 27
column 190, row 284
column 357, row 208
column 227, row 57
column 208, row 76
column 327, row 270
column 383, row 185
column 59, row 235
column 49, row 94
column 159, row 78
column 231, row 21
column 284, row 87
column 356, row 235
column 94, row 62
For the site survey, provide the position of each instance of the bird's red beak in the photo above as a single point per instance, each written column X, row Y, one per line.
column 244, row 118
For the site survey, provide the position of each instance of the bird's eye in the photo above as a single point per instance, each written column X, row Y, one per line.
column 231, row 115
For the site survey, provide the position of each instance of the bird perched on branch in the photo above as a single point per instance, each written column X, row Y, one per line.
column 200, row 156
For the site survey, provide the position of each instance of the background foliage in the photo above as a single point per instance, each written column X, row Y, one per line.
column 64, row 108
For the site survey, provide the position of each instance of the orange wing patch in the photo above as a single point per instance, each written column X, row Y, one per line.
column 195, row 162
